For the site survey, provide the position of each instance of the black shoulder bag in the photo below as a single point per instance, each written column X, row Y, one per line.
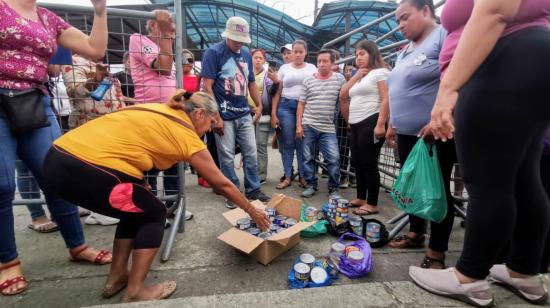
column 24, row 110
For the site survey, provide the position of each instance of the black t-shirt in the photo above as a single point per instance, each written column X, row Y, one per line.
column 126, row 83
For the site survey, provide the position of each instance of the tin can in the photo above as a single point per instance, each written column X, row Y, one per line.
column 275, row 229
column 356, row 256
column 350, row 249
column 271, row 213
column 243, row 224
column 254, row 231
column 356, row 224
column 311, row 213
column 302, row 271
column 290, row 222
column 333, row 201
column 328, row 265
column 373, row 232
column 264, row 235
column 318, row 275
column 307, row 259
column 340, row 219
column 337, row 248
column 279, row 219
column 343, row 203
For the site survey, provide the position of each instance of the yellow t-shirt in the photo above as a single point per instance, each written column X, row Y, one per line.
column 260, row 84
column 134, row 141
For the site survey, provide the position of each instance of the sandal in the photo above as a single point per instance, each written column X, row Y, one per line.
column 10, row 282
column 168, row 288
column 405, row 241
column 98, row 259
column 284, row 184
column 428, row 262
column 46, row 227
column 111, row 290
column 364, row 212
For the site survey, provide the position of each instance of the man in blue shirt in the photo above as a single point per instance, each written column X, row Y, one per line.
column 228, row 76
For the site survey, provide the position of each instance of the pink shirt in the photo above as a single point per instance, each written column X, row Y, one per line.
column 456, row 13
column 26, row 46
column 149, row 85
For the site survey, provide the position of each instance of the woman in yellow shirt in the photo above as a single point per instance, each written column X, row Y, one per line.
column 100, row 166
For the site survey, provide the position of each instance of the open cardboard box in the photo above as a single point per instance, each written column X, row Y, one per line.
column 266, row 251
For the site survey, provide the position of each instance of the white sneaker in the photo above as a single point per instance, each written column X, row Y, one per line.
column 444, row 282
column 532, row 288
column 98, row 219
column 188, row 215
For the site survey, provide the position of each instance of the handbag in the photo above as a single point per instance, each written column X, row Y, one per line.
column 24, row 110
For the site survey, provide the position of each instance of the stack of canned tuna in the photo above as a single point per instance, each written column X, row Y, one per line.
column 319, row 272
column 337, row 211
column 351, row 253
column 280, row 223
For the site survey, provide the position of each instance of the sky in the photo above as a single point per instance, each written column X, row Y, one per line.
column 301, row 10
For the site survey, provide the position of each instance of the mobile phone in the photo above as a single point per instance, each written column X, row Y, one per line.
column 353, row 71
column 278, row 129
column 272, row 64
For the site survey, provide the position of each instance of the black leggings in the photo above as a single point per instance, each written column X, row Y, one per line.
column 91, row 186
column 439, row 232
column 364, row 154
column 501, row 118
column 545, row 174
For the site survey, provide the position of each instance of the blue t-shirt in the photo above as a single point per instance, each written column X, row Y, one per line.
column 413, row 84
column 230, row 87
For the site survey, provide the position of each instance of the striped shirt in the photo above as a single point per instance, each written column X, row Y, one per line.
column 321, row 100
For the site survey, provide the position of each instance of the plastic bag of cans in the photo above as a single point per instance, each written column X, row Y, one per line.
column 352, row 255
column 279, row 224
column 308, row 272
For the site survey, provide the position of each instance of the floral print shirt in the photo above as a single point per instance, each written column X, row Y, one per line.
column 26, row 47
column 83, row 107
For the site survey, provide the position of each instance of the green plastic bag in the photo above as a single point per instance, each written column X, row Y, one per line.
column 317, row 229
column 419, row 189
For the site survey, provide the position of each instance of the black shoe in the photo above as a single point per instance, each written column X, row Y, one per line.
column 282, row 178
column 258, row 195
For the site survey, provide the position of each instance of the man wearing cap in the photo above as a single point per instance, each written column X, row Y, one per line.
column 228, row 75
column 286, row 50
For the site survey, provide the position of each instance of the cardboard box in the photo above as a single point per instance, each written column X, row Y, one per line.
column 266, row 251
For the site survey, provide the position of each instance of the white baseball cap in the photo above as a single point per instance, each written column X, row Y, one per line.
column 237, row 29
column 286, row 47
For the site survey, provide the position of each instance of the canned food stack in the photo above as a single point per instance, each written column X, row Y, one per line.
column 280, row 223
column 307, row 271
column 338, row 212
column 356, row 225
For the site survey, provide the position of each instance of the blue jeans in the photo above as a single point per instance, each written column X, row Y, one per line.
column 287, row 120
column 32, row 147
column 29, row 189
column 239, row 131
column 328, row 146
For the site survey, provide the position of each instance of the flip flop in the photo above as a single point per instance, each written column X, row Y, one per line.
column 363, row 212
column 169, row 288
column 111, row 290
column 351, row 204
column 10, row 282
column 46, row 227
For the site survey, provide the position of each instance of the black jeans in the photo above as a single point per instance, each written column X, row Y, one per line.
column 91, row 186
column 364, row 153
column 439, row 232
column 501, row 119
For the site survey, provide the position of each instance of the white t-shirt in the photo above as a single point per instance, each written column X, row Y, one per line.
column 293, row 79
column 365, row 98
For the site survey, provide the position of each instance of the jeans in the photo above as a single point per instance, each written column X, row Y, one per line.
column 262, row 136
column 29, row 189
column 32, row 147
column 239, row 131
column 328, row 146
column 287, row 120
